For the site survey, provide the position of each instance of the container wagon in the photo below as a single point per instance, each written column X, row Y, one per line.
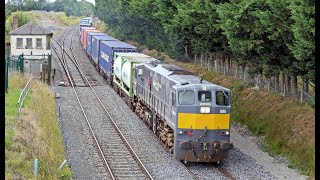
column 81, row 32
column 123, row 72
column 107, row 50
column 95, row 49
column 89, row 40
column 85, row 22
column 84, row 37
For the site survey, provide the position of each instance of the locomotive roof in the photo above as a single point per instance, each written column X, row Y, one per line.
column 118, row 44
column 166, row 69
column 194, row 81
column 182, row 77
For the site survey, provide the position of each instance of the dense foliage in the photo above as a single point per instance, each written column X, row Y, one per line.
column 269, row 36
column 23, row 18
column 70, row 7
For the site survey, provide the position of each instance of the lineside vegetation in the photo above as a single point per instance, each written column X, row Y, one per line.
column 286, row 125
column 269, row 38
column 272, row 38
column 27, row 16
column 35, row 135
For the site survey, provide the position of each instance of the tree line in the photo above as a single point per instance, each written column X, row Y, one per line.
column 70, row 7
column 269, row 38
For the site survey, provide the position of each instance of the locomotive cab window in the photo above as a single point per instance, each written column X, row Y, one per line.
column 204, row 96
column 222, row 98
column 186, row 97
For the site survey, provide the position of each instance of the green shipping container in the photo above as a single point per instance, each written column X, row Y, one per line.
column 123, row 69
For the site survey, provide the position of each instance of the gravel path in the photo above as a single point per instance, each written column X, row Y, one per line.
column 246, row 160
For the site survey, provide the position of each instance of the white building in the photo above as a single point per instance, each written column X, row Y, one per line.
column 33, row 41
column 30, row 39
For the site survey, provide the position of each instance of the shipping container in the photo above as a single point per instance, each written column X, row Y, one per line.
column 84, row 22
column 107, row 49
column 89, row 40
column 95, row 46
column 84, row 37
column 81, row 32
column 123, row 69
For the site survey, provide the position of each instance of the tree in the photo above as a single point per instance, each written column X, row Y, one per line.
column 303, row 46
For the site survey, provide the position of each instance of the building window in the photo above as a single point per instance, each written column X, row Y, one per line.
column 39, row 43
column 19, row 43
column 29, row 43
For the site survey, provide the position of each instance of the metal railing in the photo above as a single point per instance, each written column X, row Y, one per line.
column 24, row 92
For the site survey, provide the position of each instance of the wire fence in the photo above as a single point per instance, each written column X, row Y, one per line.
column 22, row 64
column 293, row 86
column 13, row 65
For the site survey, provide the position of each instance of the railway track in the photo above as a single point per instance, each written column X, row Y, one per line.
column 223, row 171
column 119, row 158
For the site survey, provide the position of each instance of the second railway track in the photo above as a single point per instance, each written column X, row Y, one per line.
column 119, row 158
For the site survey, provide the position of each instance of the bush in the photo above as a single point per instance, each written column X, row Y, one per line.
column 311, row 102
column 23, row 18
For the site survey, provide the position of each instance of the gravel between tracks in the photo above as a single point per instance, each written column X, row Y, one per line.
column 246, row 160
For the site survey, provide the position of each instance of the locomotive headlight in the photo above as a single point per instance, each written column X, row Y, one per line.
column 180, row 132
column 227, row 132
column 205, row 110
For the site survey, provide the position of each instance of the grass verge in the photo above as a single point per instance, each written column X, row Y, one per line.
column 35, row 135
column 287, row 126
column 62, row 19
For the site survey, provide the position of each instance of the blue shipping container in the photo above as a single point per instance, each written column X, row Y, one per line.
column 107, row 49
column 95, row 46
column 81, row 25
column 89, row 40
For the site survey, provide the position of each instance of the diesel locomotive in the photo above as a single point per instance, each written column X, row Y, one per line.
column 190, row 116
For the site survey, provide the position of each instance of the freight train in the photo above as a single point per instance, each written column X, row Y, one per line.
column 189, row 115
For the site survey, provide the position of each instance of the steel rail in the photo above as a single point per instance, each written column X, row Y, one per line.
column 225, row 173
column 74, row 60
column 112, row 121
column 94, row 136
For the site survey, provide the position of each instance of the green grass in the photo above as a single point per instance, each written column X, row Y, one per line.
column 35, row 135
column 287, row 125
column 273, row 116
column 62, row 19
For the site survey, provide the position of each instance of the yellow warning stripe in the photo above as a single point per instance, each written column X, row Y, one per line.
column 200, row 121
